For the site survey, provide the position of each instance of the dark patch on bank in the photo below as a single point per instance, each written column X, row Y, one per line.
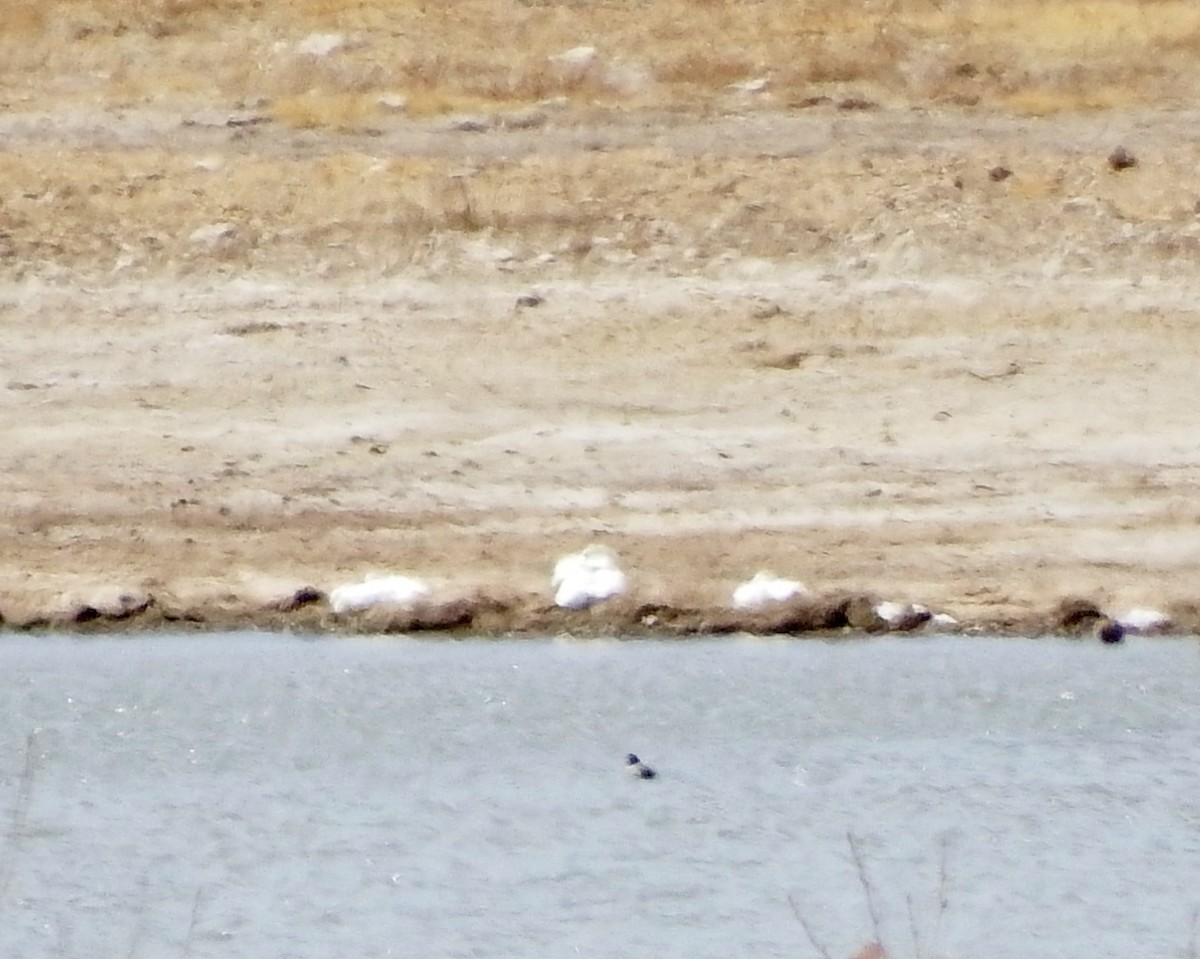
column 307, row 611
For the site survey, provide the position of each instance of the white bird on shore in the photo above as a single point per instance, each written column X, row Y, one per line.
column 903, row 615
column 583, row 579
column 764, row 589
column 378, row 591
column 1144, row 621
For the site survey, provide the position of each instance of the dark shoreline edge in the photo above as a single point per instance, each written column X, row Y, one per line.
column 307, row 612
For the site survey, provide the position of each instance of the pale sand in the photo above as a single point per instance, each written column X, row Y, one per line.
column 980, row 396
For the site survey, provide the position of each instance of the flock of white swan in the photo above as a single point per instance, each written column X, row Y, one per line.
column 587, row 578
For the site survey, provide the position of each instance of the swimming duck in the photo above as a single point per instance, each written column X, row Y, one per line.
column 638, row 769
column 1109, row 631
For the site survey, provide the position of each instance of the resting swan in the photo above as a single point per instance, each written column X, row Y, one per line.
column 378, row 591
column 583, row 579
column 766, row 588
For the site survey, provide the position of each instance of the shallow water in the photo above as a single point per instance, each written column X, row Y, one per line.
column 254, row 796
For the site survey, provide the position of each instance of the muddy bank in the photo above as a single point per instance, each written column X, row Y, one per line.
column 306, row 611
column 874, row 369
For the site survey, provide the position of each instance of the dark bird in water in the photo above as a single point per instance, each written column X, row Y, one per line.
column 637, row 768
column 1110, row 631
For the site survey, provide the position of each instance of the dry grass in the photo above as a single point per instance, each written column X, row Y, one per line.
column 725, row 264
column 1027, row 56
column 137, row 208
column 916, row 204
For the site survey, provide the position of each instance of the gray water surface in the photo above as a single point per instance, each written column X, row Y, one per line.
column 261, row 797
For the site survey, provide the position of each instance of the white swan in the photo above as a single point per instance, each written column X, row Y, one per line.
column 591, row 557
column 766, row 588
column 378, row 591
column 583, row 579
column 903, row 615
column 1145, row 621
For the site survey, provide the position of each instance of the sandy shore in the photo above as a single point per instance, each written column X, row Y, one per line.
column 839, row 344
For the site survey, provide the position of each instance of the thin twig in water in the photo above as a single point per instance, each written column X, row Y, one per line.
column 1192, row 943
column 15, row 832
column 139, row 919
column 943, row 890
column 191, row 933
column 912, row 926
column 808, row 931
column 868, row 889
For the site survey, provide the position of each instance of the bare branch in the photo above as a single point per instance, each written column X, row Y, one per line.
column 822, row 951
column 868, row 888
column 19, row 815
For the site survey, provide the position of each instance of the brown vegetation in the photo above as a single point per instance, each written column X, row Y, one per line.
column 1028, row 56
column 832, row 617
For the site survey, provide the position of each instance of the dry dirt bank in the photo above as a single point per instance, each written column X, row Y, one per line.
column 840, row 344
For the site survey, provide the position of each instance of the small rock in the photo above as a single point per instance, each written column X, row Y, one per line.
column 1109, row 631
column 303, row 596
column 998, row 174
column 249, row 504
column 469, row 124
column 320, row 45
column 1082, row 204
column 112, row 603
column 860, row 614
column 527, row 300
column 124, row 262
column 393, row 102
column 212, row 234
column 627, row 77
column 1121, row 159
column 766, row 310
column 524, row 119
column 757, row 85
column 237, row 120
column 576, row 62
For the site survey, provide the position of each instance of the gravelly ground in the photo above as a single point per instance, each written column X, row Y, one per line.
column 826, row 343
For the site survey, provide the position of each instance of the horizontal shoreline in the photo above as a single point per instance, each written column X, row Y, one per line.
column 307, row 611
column 889, row 382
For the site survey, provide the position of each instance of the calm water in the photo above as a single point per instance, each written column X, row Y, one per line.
column 266, row 797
